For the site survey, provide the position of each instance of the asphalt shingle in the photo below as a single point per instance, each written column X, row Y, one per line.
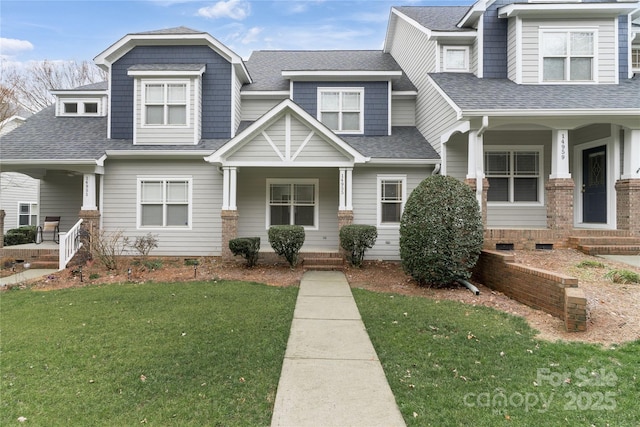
column 436, row 18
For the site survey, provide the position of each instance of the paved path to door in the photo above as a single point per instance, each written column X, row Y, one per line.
column 331, row 375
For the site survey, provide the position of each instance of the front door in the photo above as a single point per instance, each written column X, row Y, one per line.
column 594, row 185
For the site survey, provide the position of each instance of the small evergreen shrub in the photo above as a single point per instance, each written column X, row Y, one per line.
column 20, row 236
column 248, row 247
column 441, row 231
column 286, row 241
column 356, row 239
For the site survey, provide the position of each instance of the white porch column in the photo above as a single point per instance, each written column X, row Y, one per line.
column 560, row 154
column 475, row 162
column 631, row 163
column 89, row 192
column 346, row 189
column 229, row 188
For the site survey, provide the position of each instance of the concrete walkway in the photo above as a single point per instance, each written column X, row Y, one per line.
column 331, row 375
column 25, row 275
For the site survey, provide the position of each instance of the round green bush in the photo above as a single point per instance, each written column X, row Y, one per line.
column 441, row 231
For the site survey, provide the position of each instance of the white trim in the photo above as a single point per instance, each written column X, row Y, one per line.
column 232, row 125
column 341, row 75
column 389, row 99
column 31, row 213
column 166, row 73
column 565, row 9
column 89, row 192
column 616, row 43
column 512, row 149
column 80, row 106
column 567, row 30
column 560, row 154
column 164, row 180
column 165, row 83
column 446, row 68
column 578, row 167
column 389, row 177
column 291, row 182
column 341, row 91
column 480, row 47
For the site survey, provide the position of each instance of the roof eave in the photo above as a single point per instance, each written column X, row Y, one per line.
column 578, row 112
column 569, row 9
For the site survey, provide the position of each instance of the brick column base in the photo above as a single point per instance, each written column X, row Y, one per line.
column 344, row 218
column 2, row 214
column 91, row 228
column 559, row 192
column 628, row 205
column 229, row 231
column 575, row 310
column 471, row 182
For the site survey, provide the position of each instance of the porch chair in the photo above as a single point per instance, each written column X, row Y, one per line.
column 51, row 224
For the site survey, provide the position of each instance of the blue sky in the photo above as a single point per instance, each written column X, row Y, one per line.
column 79, row 30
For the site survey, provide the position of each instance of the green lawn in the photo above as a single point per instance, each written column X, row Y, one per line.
column 162, row 354
column 451, row 364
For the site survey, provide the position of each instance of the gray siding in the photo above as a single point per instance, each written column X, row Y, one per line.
column 403, row 112
column 457, row 156
column 253, row 109
column 237, row 102
column 606, row 53
column 216, row 87
column 495, row 42
column 513, row 216
column 512, row 50
column 16, row 188
column 252, row 205
column 435, row 117
column 376, row 102
column 120, row 210
column 61, row 195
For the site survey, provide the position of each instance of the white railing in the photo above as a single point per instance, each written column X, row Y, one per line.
column 69, row 245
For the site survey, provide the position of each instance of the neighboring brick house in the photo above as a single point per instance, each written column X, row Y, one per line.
column 191, row 143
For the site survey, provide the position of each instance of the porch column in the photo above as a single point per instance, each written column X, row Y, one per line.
column 229, row 213
column 560, row 186
column 475, row 170
column 628, row 187
column 346, row 189
column 89, row 192
column 91, row 226
column 2, row 214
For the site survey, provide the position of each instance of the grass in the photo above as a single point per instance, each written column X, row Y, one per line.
column 623, row 276
column 162, row 354
column 451, row 364
column 590, row 264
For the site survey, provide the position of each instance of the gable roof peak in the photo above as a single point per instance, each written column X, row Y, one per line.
column 169, row 31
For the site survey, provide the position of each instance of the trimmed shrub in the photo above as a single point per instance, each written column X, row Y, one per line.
column 20, row 236
column 248, row 247
column 356, row 239
column 441, row 231
column 286, row 241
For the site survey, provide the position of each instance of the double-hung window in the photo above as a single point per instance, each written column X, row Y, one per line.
column 568, row 55
column 635, row 60
column 27, row 214
column 164, row 202
column 165, row 104
column 392, row 194
column 292, row 202
column 514, row 175
column 342, row 109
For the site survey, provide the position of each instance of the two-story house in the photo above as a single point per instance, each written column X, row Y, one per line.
column 532, row 103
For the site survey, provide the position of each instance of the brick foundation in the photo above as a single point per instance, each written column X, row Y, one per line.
column 229, row 231
column 559, row 198
column 540, row 289
column 628, row 205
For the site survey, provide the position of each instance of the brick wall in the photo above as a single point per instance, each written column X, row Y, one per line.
column 229, row 231
column 628, row 205
column 540, row 289
column 560, row 203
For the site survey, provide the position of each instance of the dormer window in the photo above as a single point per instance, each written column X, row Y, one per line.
column 567, row 55
column 455, row 59
column 341, row 109
column 79, row 107
column 165, row 103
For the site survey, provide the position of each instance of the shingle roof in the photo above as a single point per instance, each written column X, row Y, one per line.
column 436, row 18
column 405, row 142
column 46, row 137
column 170, row 31
column 266, row 66
column 473, row 93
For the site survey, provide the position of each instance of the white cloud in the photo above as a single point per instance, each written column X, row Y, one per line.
column 9, row 47
column 234, row 9
column 252, row 35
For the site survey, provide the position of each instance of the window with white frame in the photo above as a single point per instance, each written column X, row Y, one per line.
column 342, row 109
column 392, row 194
column 635, row 59
column 77, row 107
column 514, row 175
column 164, row 202
column 455, row 58
column 27, row 214
column 568, row 55
column 165, row 104
column 292, row 202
